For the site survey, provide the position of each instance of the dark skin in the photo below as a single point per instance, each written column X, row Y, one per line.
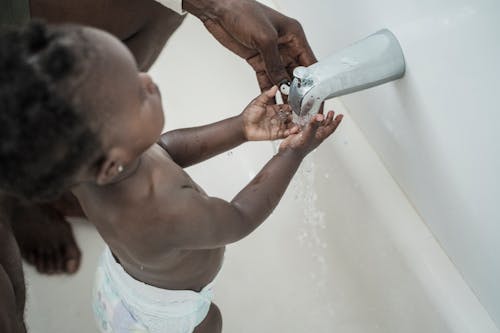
column 12, row 287
column 270, row 42
column 140, row 191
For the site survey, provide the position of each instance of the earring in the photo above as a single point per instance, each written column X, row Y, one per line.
column 120, row 168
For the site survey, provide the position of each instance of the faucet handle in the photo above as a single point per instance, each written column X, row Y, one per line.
column 284, row 87
column 300, row 72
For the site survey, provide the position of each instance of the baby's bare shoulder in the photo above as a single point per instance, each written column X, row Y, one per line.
column 166, row 180
column 159, row 191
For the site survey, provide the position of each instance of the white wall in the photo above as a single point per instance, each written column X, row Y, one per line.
column 438, row 129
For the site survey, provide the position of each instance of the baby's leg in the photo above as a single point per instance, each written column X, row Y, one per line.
column 212, row 322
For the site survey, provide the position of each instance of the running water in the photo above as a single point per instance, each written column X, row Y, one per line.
column 302, row 120
column 311, row 230
column 313, row 222
column 313, row 219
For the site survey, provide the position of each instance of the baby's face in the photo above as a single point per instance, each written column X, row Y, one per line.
column 127, row 103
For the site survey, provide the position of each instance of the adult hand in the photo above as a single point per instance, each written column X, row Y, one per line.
column 272, row 43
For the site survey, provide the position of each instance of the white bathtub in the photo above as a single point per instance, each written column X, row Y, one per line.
column 344, row 251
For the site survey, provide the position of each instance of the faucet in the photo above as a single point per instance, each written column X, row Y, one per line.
column 372, row 61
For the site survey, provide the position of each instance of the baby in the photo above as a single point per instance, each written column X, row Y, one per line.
column 76, row 114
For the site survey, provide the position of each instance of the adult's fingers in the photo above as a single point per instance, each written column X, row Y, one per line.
column 296, row 44
column 275, row 68
column 256, row 60
column 306, row 56
column 263, row 77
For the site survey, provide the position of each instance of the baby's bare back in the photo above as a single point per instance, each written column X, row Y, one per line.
column 137, row 219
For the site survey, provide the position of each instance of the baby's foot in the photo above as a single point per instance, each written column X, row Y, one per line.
column 45, row 239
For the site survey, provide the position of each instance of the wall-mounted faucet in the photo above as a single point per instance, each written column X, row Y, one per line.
column 369, row 62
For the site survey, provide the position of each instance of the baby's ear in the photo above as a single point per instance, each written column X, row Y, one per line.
column 111, row 166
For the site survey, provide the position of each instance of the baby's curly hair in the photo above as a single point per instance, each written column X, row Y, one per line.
column 45, row 130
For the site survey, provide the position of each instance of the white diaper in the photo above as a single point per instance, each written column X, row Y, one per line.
column 122, row 304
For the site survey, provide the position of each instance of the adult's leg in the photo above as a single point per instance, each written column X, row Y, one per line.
column 12, row 287
column 212, row 322
column 44, row 236
column 9, row 319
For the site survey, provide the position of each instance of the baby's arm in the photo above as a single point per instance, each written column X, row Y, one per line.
column 259, row 121
column 188, row 146
column 199, row 222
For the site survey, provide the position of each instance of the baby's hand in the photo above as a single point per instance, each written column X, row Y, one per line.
column 317, row 130
column 263, row 120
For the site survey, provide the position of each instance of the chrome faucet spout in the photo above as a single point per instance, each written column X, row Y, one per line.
column 372, row 61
